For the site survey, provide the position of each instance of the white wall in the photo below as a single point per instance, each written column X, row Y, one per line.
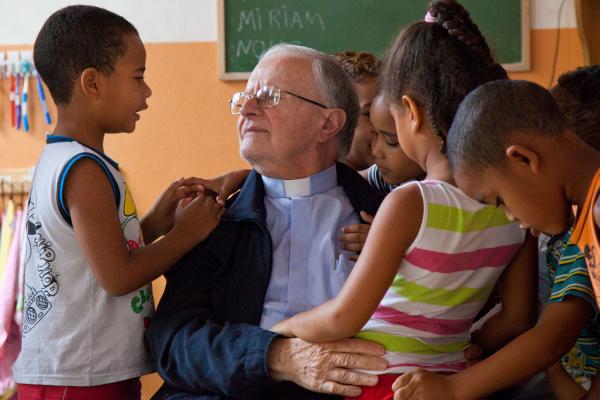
column 186, row 20
column 156, row 20
column 544, row 14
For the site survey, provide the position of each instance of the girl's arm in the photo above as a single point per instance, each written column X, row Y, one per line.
column 394, row 229
column 518, row 293
column 97, row 229
column 530, row 353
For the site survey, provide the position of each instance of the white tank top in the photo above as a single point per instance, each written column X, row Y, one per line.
column 74, row 332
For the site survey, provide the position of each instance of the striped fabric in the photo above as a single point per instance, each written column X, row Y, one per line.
column 570, row 277
column 376, row 180
column 444, row 280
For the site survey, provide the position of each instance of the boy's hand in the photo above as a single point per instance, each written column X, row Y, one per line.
column 161, row 217
column 196, row 218
column 354, row 236
column 224, row 185
column 423, row 385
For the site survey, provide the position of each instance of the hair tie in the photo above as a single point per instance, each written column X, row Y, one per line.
column 429, row 18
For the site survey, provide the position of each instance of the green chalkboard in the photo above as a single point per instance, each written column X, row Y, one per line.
column 249, row 27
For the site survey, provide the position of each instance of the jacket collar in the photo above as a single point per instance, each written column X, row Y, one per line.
column 249, row 202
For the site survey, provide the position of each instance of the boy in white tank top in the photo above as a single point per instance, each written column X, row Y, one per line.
column 88, row 272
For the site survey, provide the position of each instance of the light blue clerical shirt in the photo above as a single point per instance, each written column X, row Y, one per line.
column 305, row 218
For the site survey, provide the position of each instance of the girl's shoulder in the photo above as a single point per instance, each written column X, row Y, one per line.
column 440, row 192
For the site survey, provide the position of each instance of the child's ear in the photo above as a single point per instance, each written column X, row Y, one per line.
column 415, row 113
column 89, row 82
column 524, row 157
column 334, row 121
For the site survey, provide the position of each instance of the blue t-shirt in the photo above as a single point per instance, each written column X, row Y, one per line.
column 569, row 276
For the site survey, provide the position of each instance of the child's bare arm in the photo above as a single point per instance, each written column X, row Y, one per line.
column 530, row 353
column 394, row 229
column 518, row 292
column 563, row 385
column 98, row 232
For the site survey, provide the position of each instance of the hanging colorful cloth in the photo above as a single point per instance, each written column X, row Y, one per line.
column 10, row 338
column 6, row 235
column 10, row 395
column 21, row 274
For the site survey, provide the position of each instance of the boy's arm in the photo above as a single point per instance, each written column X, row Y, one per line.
column 530, row 353
column 563, row 385
column 97, row 229
column 394, row 229
column 518, row 292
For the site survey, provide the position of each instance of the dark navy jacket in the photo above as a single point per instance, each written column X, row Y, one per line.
column 205, row 339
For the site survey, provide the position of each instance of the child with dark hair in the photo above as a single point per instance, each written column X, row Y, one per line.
column 88, row 296
column 503, row 151
column 577, row 95
column 391, row 169
column 393, row 165
column 363, row 71
column 433, row 255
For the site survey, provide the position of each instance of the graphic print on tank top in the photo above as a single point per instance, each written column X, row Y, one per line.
column 38, row 298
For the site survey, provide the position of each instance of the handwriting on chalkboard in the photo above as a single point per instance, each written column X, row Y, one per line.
column 273, row 19
column 250, row 27
column 279, row 18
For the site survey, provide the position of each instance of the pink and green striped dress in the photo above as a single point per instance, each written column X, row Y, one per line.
column 444, row 280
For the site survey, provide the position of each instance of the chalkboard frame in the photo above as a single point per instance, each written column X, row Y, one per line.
column 523, row 65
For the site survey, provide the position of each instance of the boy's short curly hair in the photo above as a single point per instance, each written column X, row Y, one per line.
column 578, row 97
column 491, row 114
column 358, row 65
column 75, row 38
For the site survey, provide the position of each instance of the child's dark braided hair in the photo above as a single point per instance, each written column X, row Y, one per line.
column 438, row 63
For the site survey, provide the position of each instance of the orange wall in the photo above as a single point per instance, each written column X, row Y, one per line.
column 543, row 42
column 188, row 129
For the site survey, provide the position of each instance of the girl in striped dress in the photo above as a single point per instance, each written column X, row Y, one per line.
column 433, row 255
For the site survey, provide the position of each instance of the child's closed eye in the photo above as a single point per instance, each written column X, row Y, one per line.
column 390, row 140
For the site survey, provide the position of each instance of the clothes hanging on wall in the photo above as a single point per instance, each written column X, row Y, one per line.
column 7, row 233
column 12, row 252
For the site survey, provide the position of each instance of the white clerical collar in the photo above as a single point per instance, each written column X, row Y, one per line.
column 318, row 183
